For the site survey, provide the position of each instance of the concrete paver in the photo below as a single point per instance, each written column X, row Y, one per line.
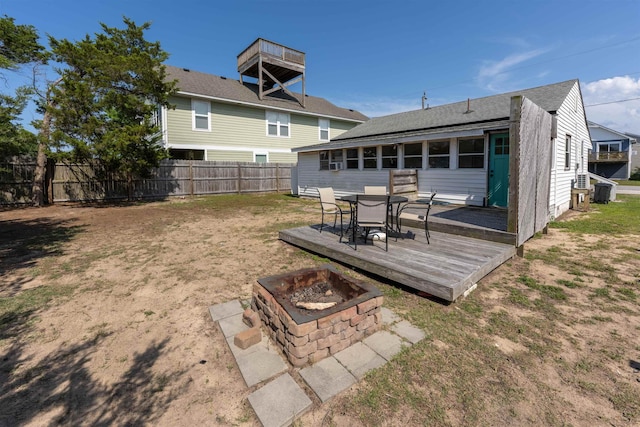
column 359, row 359
column 388, row 316
column 258, row 362
column 327, row 378
column 279, row 402
column 232, row 325
column 385, row 344
column 407, row 331
column 227, row 309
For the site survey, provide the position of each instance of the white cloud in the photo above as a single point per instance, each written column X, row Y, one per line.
column 493, row 74
column 620, row 116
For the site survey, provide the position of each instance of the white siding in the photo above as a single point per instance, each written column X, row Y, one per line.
column 571, row 121
column 459, row 186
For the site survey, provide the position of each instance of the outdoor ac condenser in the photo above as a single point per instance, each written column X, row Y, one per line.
column 583, row 180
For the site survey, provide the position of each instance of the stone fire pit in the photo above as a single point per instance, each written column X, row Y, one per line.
column 307, row 336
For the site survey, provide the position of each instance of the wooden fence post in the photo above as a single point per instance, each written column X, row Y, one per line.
column 191, row 189
column 239, row 179
column 277, row 177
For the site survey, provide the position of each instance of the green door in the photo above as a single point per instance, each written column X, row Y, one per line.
column 499, row 170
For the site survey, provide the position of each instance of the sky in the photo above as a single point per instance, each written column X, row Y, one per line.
column 380, row 56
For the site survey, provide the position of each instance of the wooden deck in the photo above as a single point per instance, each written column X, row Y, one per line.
column 446, row 268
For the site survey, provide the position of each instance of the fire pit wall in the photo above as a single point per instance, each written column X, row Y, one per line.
column 322, row 336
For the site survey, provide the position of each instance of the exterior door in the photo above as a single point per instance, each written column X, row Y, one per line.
column 498, row 170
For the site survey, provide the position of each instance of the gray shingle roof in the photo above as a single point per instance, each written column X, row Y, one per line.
column 209, row 85
column 480, row 110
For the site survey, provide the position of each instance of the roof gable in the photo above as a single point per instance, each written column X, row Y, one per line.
column 473, row 111
column 231, row 90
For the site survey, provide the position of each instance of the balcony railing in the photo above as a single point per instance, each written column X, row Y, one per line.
column 272, row 49
column 609, row 156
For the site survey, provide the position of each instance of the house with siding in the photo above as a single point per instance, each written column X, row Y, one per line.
column 254, row 119
column 465, row 151
column 635, row 152
column 611, row 152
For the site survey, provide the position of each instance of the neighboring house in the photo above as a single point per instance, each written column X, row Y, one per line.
column 463, row 150
column 634, row 152
column 611, row 152
column 218, row 118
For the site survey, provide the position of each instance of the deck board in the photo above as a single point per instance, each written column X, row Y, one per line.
column 446, row 268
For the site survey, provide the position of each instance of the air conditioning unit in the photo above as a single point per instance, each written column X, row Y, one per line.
column 335, row 166
column 583, row 180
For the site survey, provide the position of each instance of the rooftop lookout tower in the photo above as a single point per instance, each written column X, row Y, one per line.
column 275, row 66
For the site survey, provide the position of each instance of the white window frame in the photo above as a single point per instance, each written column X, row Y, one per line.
column 448, row 155
column 567, row 152
column 280, row 121
column 474, row 153
column 324, row 125
column 406, row 156
column 194, row 102
column 260, row 153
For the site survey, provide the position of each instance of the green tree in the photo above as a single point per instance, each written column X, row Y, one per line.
column 104, row 106
column 18, row 44
column 14, row 139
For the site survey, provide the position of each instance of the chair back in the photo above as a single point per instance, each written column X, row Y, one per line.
column 375, row 190
column 372, row 209
column 327, row 198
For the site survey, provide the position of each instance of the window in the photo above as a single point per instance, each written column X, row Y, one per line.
column 609, row 147
column 323, row 125
column 277, row 124
column 324, row 160
column 389, row 156
column 370, row 157
column 260, row 158
column 336, row 156
column 413, row 156
column 567, row 152
column 201, row 119
column 156, row 117
column 471, row 153
column 352, row 158
column 326, row 157
column 439, row 154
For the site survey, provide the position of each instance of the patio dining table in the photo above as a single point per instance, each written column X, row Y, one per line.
column 393, row 200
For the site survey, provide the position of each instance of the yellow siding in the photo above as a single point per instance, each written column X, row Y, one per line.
column 245, row 129
column 229, row 156
column 283, row 157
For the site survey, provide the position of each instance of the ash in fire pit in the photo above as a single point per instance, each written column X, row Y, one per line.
column 309, row 335
column 316, row 297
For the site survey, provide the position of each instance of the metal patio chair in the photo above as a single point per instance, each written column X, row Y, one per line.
column 330, row 207
column 371, row 212
column 419, row 212
column 375, row 190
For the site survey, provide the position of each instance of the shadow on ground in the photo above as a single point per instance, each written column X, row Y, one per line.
column 60, row 388
column 24, row 242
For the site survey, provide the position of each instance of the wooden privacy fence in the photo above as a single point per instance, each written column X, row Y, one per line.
column 86, row 182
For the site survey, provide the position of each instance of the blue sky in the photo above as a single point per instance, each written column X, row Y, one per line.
column 379, row 56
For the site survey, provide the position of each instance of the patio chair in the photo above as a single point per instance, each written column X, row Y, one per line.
column 371, row 212
column 419, row 212
column 376, row 190
column 330, row 207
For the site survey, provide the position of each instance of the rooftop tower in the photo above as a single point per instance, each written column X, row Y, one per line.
column 275, row 66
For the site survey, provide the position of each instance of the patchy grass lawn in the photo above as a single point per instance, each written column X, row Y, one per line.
column 103, row 320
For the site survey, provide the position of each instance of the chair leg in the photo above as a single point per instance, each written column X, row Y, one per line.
column 322, row 222
column 426, row 230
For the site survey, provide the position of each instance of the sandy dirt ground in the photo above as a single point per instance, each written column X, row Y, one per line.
column 125, row 337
